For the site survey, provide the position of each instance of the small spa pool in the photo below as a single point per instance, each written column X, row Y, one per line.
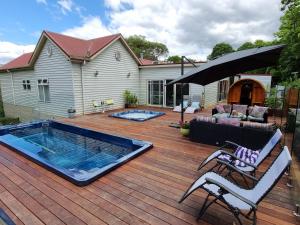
column 137, row 115
column 77, row 154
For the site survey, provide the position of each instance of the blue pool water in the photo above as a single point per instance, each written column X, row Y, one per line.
column 137, row 115
column 80, row 155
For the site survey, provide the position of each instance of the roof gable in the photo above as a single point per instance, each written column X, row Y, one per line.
column 73, row 48
column 77, row 48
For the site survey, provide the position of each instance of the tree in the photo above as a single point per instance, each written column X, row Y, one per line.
column 289, row 34
column 174, row 59
column 220, row 49
column 151, row 50
column 246, row 45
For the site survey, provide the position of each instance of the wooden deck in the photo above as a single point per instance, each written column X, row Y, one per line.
column 143, row 191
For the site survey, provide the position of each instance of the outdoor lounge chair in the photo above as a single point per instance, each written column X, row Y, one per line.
column 178, row 108
column 249, row 168
column 98, row 106
column 235, row 199
column 194, row 107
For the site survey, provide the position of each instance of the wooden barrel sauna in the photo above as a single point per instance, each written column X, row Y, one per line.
column 246, row 92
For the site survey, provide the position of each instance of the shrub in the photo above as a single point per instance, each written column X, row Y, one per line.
column 273, row 101
column 130, row 99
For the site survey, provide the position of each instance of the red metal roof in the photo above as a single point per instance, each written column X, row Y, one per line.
column 78, row 48
column 20, row 62
column 146, row 61
column 74, row 48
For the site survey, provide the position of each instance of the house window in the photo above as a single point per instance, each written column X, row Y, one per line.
column 26, row 85
column 222, row 90
column 43, row 88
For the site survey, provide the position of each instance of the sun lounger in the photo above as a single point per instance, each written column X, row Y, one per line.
column 194, row 107
column 178, row 108
column 234, row 198
column 249, row 168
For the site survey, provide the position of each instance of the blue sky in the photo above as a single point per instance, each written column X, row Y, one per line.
column 190, row 27
column 22, row 21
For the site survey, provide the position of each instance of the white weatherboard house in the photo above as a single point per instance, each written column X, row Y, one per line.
column 65, row 72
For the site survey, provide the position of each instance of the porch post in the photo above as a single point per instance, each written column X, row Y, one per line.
column 181, row 88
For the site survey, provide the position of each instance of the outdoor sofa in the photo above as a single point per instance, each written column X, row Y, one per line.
column 244, row 111
column 211, row 133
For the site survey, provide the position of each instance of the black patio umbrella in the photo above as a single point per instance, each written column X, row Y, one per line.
column 232, row 64
column 229, row 65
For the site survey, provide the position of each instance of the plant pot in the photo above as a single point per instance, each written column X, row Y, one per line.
column 132, row 106
column 185, row 132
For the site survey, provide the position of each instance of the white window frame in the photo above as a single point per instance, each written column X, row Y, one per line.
column 42, row 82
column 26, row 85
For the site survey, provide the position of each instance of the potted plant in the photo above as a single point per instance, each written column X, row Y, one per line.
column 127, row 98
column 185, row 128
column 71, row 113
column 131, row 100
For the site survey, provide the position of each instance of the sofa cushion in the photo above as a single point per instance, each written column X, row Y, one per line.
column 220, row 108
column 264, row 126
column 258, row 111
column 221, row 115
column 206, row 119
column 240, row 108
column 255, row 119
column 250, row 108
column 227, row 108
column 229, row 121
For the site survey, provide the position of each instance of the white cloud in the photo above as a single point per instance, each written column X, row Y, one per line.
column 65, row 5
column 193, row 27
column 92, row 27
column 9, row 51
column 42, row 1
column 190, row 27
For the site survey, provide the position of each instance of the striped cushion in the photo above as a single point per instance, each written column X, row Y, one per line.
column 265, row 126
column 229, row 121
column 248, row 155
column 206, row 119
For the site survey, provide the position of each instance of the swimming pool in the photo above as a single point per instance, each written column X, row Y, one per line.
column 77, row 154
column 137, row 115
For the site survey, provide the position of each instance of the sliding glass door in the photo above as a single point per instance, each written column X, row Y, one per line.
column 167, row 96
column 156, row 92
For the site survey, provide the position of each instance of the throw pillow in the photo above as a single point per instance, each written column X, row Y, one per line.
column 247, row 155
column 220, row 108
column 258, row 111
column 229, row 121
column 240, row 108
column 227, row 108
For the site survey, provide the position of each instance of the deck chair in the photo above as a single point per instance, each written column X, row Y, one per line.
column 194, row 107
column 97, row 105
column 249, row 168
column 238, row 200
column 178, row 108
column 108, row 103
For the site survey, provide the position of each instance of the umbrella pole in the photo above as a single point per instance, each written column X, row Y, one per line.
column 181, row 89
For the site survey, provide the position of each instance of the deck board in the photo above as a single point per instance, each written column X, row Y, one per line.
column 143, row 191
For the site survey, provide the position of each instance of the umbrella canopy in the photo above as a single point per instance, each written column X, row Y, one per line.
column 232, row 64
